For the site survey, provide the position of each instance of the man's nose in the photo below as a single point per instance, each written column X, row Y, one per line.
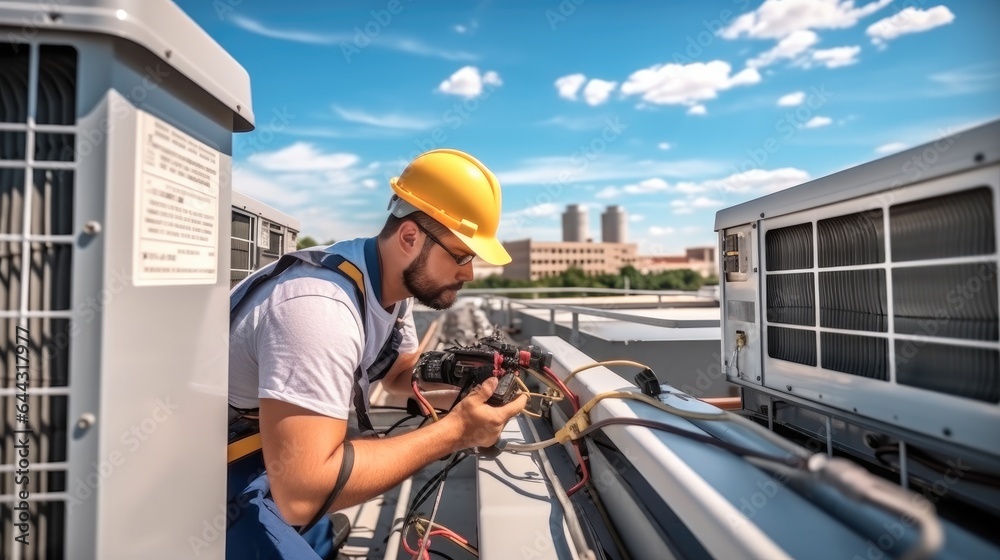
column 466, row 273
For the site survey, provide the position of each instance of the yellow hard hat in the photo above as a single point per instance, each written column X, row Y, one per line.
column 459, row 192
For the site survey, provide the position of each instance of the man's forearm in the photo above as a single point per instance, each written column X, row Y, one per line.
column 380, row 464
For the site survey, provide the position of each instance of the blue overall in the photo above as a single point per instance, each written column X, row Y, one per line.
column 255, row 528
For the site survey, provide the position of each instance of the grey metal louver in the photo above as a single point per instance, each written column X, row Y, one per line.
column 37, row 172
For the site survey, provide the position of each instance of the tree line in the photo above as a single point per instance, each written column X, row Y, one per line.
column 680, row 279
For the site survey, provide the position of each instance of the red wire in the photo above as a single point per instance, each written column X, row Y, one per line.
column 421, row 399
column 562, row 387
column 413, row 553
column 585, row 472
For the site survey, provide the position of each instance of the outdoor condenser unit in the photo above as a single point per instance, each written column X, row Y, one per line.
column 116, row 122
column 870, row 297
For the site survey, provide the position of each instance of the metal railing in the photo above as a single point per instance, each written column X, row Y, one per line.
column 508, row 304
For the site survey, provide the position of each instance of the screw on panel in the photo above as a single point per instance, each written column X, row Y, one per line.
column 788, row 387
column 979, row 158
column 758, row 378
column 86, row 420
column 761, row 214
column 92, row 227
column 947, row 432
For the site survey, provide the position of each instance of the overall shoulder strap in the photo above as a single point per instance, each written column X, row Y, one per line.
column 332, row 261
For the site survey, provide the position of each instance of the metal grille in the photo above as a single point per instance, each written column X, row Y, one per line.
column 242, row 247
column 37, row 172
column 933, row 276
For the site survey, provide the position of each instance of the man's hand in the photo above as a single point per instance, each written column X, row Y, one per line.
column 479, row 424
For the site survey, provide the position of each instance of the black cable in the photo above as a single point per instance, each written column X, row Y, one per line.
column 935, row 464
column 399, row 423
column 441, row 554
column 427, row 489
column 795, row 462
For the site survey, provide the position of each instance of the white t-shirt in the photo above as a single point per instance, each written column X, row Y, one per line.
column 299, row 339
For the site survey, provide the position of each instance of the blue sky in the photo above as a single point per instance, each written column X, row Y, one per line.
column 670, row 109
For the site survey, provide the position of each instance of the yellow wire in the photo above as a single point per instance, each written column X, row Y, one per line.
column 607, row 363
column 526, row 391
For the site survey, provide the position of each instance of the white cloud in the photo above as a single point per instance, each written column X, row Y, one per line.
column 636, row 217
column 697, row 110
column 577, row 123
column 266, row 190
column 597, row 91
column 663, row 146
column 792, row 99
column 566, row 170
column 543, row 210
column 681, row 207
column 775, row 19
column 383, row 121
column 302, row 156
column 369, row 183
column 753, row 181
column 787, row 48
column 817, row 122
column 837, row 56
column 468, row 82
column 293, row 35
column 706, row 202
column 657, row 230
column 978, row 77
column 608, row 192
column 686, row 84
column 647, row 186
column 466, row 28
column 908, row 20
column 890, row 148
column 400, row 44
column 568, row 86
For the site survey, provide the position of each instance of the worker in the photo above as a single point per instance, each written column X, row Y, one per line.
column 311, row 333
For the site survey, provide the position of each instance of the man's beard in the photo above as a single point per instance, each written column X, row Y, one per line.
column 420, row 283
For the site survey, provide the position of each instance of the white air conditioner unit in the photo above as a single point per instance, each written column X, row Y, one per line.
column 871, row 295
column 116, row 123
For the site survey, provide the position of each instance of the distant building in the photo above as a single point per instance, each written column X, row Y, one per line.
column 614, row 225
column 574, row 223
column 532, row 259
column 259, row 234
column 702, row 260
column 482, row 269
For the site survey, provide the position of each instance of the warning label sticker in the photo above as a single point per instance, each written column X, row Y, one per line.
column 176, row 208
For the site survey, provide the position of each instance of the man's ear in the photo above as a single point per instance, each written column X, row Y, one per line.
column 408, row 234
